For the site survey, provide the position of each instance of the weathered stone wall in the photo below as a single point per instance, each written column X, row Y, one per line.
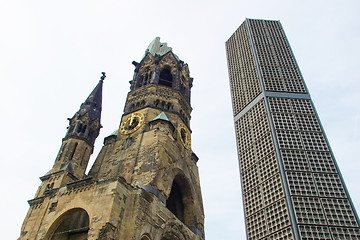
column 144, row 184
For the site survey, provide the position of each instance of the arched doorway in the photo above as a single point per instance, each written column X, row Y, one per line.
column 72, row 225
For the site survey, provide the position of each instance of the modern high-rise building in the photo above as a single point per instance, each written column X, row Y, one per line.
column 292, row 187
column 144, row 184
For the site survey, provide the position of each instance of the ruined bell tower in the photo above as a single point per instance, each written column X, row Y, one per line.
column 144, row 184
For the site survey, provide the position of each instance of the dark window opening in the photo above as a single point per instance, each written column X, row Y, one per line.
column 49, row 187
column 144, row 78
column 168, row 106
column 163, row 105
column 83, row 129
column 180, row 201
column 74, row 226
column 166, row 78
column 78, row 128
column 157, row 103
column 53, row 206
column 175, row 203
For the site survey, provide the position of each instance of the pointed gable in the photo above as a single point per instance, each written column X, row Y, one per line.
column 162, row 116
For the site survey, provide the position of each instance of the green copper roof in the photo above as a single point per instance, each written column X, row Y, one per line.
column 114, row 133
column 161, row 116
column 158, row 48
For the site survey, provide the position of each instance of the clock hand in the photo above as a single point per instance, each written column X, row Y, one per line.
column 131, row 120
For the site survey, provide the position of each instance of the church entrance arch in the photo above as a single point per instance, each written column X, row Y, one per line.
column 72, row 225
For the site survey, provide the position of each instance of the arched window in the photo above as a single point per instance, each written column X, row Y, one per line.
column 74, row 224
column 168, row 106
column 180, row 201
column 83, row 129
column 79, row 127
column 166, row 77
column 144, row 77
column 175, row 203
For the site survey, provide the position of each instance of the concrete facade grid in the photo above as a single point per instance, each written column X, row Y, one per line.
column 292, row 186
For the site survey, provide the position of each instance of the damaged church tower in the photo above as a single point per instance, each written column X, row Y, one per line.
column 144, row 184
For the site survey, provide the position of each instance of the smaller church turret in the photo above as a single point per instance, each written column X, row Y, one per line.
column 85, row 124
column 78, row 143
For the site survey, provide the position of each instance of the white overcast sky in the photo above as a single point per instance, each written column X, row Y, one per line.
column 52, row 54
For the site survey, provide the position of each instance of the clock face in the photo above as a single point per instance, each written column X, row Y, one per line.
column 132, row 123
column 184, row 136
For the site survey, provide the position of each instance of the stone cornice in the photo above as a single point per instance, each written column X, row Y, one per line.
column 36, row 201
